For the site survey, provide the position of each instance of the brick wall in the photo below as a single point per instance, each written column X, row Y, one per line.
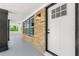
column 38, row 40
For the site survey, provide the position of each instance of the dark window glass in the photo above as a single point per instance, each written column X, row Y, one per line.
column 23, row 27
column 32, row 24
column 63, row 13
column 53, row 16
column 53, row 11
column 58, row 9
column 63, row 7
column 58, row 14
column 31, row 31
column 28, row 26
column 31, row 27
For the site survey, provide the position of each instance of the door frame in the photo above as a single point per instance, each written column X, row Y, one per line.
column 76, row 30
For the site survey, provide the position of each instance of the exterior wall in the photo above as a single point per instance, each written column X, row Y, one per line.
column 39, row 31
column 38, row 40
column 27, row 38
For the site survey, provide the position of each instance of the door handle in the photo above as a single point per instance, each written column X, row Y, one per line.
column 48, row 32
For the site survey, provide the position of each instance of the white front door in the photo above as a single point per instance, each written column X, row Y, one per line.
column 61, row 28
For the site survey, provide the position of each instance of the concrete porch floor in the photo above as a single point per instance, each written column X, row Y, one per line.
column 17, row 47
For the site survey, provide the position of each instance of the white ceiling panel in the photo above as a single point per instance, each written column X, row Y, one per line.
column 19, row 11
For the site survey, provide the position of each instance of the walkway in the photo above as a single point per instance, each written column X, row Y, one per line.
column 17, row 47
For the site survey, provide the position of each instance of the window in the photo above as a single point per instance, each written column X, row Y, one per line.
column 24, row 27
column 63, row 13
column 63, row 10
column 63, row 7
column 53, row 14
column 53, row 11
column 31, row 27
column 58, row 14
column 59, row 11
column 28, row 26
